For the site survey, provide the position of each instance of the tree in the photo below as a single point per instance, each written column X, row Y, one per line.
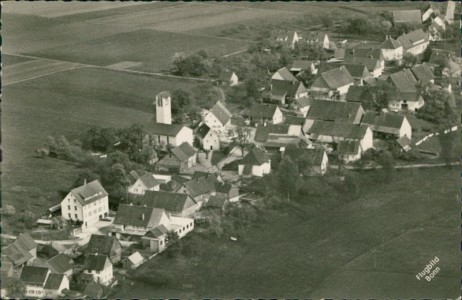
column 327, row 21
column 307, row 78
column 174, row 245
column 288, row 175
column 207, row 95
column 385, row 159
column 409, row 60
column 85, row 175
column 437, row 108
column 241, row 136
column 181, row 101
column 16, row 288
column 379, row 96
column 427, row 54
column 448, row 146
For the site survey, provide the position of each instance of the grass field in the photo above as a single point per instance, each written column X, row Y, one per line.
column 372, row 247
column 64, row 103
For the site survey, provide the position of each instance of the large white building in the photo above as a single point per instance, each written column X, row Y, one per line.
column 164, row 108
column 99, row 267
column 88, row 203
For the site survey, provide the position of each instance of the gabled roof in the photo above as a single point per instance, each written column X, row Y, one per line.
column 60, row 263
column 301, row 65
column 286, row 88
column 220, row 111
column 54, row 281
column 314, row 156
column 89, row 193
column 139, row 216
column 34, row 275
column 26, row 241
column 390, row 43
column 423, row 73
column 16, row 254
column 136, row 258
column 407, row 16
column 370, row 63
column 335, row 129
column 225, row 75
column 357, row 70
column 355, row 93
column 164, row 94
column 95, row 262
column 385, row 122
column 408, row 39
column 275, row 140
column 294, row 120
column 255, row 157
column 304, row 101
column 316, row 37
column 223, row 188
column 404, row 81
column 164, row 129
column 171, row 202
column 183, row 152
column 285, row 74
column 262, row 132
column 348, row 147
column 216, row 201
column 404, row 142
column 364, row 53
column 149, row 181
column 101, row 244
column 202, row 131
column 325, row 66
column 263, row 111
column 157, row 232
column 201, row 186
column 334, row 111
column 333, row 79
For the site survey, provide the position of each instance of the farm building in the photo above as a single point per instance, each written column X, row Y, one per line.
column 132, row 220
column 348, row 112
column 310, row 161
column 143, row 183
column 300, row 66
column 134, row 261
column 208, row 138
column 61, row 264
column 218, row 118
column 336, row 81
column 413, row 16
column 177, row 204
column 265, row 113
column 181, row 159
column 283, row 74
column 255, row 163
column 320, row 39
column 349, row 151
column 423, row 74
column 388, row 125
column 283, row 92
column 414, row 42
column 105, row 245
column 228, row 78
column 40, row 282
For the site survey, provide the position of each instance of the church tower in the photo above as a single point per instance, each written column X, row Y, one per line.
column 163, row 108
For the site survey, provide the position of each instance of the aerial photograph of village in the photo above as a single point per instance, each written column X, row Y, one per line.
column 231, row 150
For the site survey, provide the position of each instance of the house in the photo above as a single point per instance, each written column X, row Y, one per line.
column 359, row 72
column 357, row 94
column 373, row 65
column 61, row 264
column 170, row 134
column 93, row 291
column 255, row 163
column 279, row 142
column 388, row 125
column 218, row 202
column 334, row 132
column 404, row 81
column 299, row 66
column 22, row 251
column 429, row 13
column 177, row 204
column 180, row 159
column 349, row 151
column 143, row 183
column 404, row 143
column 288, row 37
column 335, row 111
column 262, row 132
column 208, row 138
column 265, row 113
column 366, row 51
column 302, row 104
column 413, row 16
column 40, row 282
column 392, row 49
column 163, row 105
column 56, row 284
column 134, row 220
column 284, row 75
column 414, row 42
column 336, row 81
column 406, row 101
column 423, row 74
column 200, row 189
column 310, row 161
column 294, row 120
column 105, row 245
column 319, row 39
column 134, row 261
column 156, row 238
column 88, row 204
column 218, row 118
column 283, row 92
column 228, row 77
column 99, row 267
column 227, row 191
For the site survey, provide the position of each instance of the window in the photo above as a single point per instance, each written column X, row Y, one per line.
column 70, row 215
column 75, row 207
column 74, row 200
column 161, row 243
column 68, row 207
column 187, row 226
column 76, row 216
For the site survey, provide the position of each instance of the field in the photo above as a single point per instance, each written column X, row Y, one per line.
column 65, row 103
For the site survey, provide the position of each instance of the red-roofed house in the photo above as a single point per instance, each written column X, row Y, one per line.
column 88, row 203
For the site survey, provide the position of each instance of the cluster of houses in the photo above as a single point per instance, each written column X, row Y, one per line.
column 308, row 124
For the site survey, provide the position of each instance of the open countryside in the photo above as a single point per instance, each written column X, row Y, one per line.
column 197, row 150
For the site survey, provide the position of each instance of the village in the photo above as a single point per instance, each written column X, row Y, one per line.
column 363, row 106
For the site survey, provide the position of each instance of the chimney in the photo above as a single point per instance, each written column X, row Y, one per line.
column 85, row 181
column 142, row 217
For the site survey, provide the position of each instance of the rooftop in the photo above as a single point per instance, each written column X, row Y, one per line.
column 334, row 111
column 89, row 192
column 220, row 111
column 255, row 157
column 171, row 202
column 335, row 129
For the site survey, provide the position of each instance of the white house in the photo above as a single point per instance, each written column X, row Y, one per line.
column 218, row 118
column 261, row 113
column 99, row 267
column 88, row 203
column 255, row 163
column 55, row 285
column 335, row 81
column 170, row 134
column 208, row 138
column 156, row 238
column 320, row 39
column 40, row 282
column 392, row 49
column 334, row 132
column 349, row 151
column 414, row 42
column 146, row 182
column 134, row 261
column 407, row 101
column 388, row 125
